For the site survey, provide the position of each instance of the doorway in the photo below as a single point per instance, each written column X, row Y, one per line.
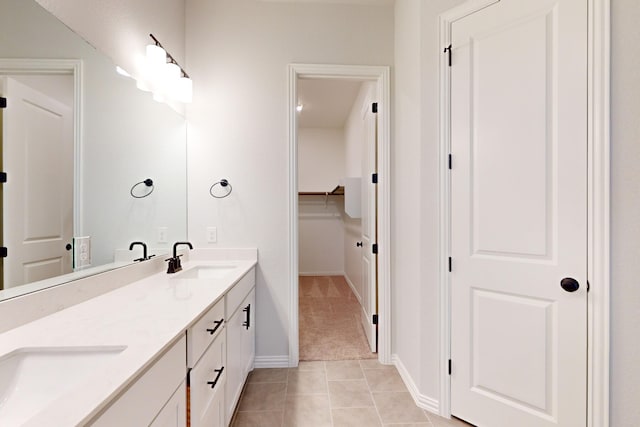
column 309, row 199
column 336, row 222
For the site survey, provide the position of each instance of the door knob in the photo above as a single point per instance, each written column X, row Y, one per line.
column 359, row 244
column 569, row 284
column 68, row 246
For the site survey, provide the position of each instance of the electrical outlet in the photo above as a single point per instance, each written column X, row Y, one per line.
column 212, row 234
column 162, row 234
column 82, row 251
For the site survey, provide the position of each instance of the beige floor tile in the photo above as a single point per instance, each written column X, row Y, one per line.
column 259, row 419
column 384, row 380
column 272, row 375
column 344, row 370
column 349, row 394
column 307, row 411
column 306, row 382
column 438, row 421
column 374, row 364
column 410, row 425
column 355, row 417
column 398, row 407
column 263, row 397
column 311, row 365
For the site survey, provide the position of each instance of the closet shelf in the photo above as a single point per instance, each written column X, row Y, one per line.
column 338, row 191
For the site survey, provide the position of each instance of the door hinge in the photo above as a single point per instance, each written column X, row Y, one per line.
column 3, row 102
column 374, row 178
column 588, row 286
column 374, row 107
column 450, row 262
column 374, row 248
column 375, row 319
column 448, row 50
column 3, row 177
column 449, row 366
column 450, row 161
column 3, row 252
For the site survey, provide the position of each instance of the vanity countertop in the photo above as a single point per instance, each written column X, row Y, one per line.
column 146, row 316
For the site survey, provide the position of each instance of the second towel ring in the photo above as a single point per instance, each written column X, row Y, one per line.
column 147, row 182
column 224, row 186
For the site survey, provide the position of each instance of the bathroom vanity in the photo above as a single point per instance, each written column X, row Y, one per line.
column 162, row 350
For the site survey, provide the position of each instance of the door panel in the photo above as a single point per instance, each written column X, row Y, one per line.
column 519, row 214
column 38, row 195
column 369, row 229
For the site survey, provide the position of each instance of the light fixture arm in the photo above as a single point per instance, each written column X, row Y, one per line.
column 170, row 58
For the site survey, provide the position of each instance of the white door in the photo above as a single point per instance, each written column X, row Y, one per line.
column 38, row 195
column 519, row 214
column 369, row 228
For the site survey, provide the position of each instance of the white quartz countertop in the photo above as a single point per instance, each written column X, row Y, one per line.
column 146, row 317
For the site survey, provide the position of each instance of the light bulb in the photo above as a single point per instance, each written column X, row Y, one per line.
column 184, row 92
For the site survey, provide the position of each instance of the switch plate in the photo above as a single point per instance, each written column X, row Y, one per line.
column 162, row 234
column 212, row 234
column 82, row 252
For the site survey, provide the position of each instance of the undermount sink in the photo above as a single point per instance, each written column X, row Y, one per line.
column 206, row 272
column 31, row 378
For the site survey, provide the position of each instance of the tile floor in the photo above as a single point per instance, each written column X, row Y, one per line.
column 359, row 393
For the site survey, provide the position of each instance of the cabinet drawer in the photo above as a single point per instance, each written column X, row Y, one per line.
column 204, row 331
column 240, row 290
column 145, row 398
column 207, row 385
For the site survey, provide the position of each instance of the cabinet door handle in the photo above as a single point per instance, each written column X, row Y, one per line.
column 218, row 323
column 213, row 383
column 247, row 323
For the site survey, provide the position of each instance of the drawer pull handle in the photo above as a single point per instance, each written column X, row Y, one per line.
column 247, row 323
column 218, row 324
column 213, row 383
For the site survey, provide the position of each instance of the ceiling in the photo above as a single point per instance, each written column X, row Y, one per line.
column 326, row 102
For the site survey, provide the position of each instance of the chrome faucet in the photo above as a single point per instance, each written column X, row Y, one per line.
column 144, row 251
column 174, row 262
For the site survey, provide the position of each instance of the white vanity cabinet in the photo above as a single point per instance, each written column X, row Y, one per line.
column 206, row 358
column 240, row 309
column 157, row 394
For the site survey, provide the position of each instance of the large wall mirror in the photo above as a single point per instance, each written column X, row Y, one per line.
column 76, row 137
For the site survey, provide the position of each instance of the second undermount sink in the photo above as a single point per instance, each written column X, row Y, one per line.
column 31, row 378
column 206, row 272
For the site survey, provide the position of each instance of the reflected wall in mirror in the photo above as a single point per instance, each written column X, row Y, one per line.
column 89, row 135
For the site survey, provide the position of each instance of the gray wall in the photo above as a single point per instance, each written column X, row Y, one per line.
column 625, row 213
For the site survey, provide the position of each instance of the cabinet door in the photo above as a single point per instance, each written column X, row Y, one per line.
column 174, row 413
column 207, row 384
column 240, row 350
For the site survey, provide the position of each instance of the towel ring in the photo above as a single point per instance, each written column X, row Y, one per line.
column 148, row 183
column 223, row 184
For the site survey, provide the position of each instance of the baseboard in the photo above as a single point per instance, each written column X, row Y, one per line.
column 425, row 402
column 353, row 289
column 321, row 273
column 271, row 362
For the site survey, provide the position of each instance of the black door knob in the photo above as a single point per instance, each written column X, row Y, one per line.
column 569, row 284
column 68, row 246
column 359, row 244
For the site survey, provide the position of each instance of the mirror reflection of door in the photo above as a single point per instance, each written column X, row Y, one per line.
column 336, row 137
column 37, row 155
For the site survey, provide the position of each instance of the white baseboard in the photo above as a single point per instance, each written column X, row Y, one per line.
column 425, row 402
column 271, row 362
column 353, row 289
column 321, row 273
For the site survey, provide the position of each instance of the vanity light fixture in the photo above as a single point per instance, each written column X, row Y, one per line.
column 163, row 76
